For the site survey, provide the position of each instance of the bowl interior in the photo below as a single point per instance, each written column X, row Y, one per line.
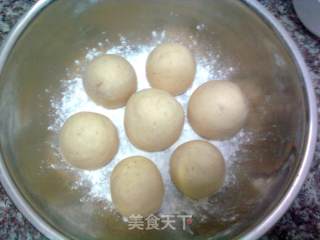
column 41, row 86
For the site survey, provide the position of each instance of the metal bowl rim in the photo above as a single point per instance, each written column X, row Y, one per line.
column 270, row 219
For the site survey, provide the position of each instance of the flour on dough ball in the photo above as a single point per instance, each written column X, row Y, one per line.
column 171, row 67
column 217, row 110
column 197, row 169
column 153, row 119
column 110, row 80
column 136, row 187
column 88, row 140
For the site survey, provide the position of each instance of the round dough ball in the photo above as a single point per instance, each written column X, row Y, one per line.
column 136, row 187
column 171, row 67
column 217, row 110
column 153, row 120
column 197, row 169
column 110, row 80
column 88, row 140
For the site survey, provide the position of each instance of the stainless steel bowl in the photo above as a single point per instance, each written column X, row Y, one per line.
column 269, row 168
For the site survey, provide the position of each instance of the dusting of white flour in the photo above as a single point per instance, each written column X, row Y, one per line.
column 74, row 99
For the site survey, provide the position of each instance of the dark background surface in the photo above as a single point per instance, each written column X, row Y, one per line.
column 302, row 221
